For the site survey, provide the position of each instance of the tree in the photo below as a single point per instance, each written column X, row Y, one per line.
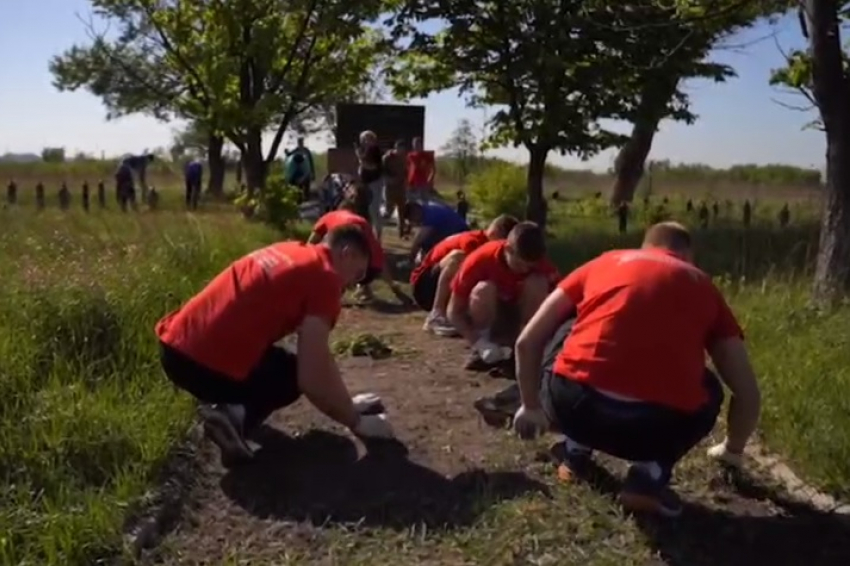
column 53, row 155
column 462, row 148
column 822, row 72
column 237, row 68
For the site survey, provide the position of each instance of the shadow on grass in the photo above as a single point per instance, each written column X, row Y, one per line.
column 723, row 249
column 759, row 526
column 319, row 478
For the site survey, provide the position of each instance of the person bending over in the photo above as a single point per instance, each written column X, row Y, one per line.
column 627, row 377
column 431, row 279
column 435, row 221
column 219, row 346
column 496, row 291
column 346, row 215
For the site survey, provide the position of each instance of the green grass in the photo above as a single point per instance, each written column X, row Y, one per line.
column 86, row 419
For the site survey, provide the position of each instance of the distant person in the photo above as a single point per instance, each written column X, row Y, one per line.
column 627, row 375
column 395, row 192
column 304, row 151
column 193, row 176
column 420, row 172
column 125, row 183
column 298, row 174
column 220, row 345
column 371, row 174
column 435, row 221
column 462, row 205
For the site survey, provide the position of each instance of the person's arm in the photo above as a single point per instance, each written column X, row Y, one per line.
column 732, row 362
column 467, row 277
column 318, row 374
column 532, row 341
column 432, row 165
column 421, row 237
column 394, row 287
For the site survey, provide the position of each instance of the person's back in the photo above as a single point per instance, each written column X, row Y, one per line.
column 443, row 219
column 648, row 315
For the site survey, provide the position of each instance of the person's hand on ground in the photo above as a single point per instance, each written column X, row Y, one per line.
column 367, row 404
column 489, row 352
column 530, row 423
column 721, row 453
column 374, row 426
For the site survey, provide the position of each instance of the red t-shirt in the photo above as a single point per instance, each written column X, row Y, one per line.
column 645, row 319
column 252, row 304
column 465, row 242
column 336, row 218
column 419, row 167
column 487, row 263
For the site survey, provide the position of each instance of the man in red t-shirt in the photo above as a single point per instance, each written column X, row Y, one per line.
column 346, row 216
column 628, row 376
column 496, row 291
column 431, row 278
column 220, row 345
column 420, row 172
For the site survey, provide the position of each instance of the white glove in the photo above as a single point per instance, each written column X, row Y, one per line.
column 491, row 353
column 722, row 454
column 367, row 403
column 374, row 426
column 530, row 423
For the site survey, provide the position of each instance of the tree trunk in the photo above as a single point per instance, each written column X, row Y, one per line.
column 831, row 91
column 535, row 206
column 630, row 161
column 255, row 163
column 215, row 160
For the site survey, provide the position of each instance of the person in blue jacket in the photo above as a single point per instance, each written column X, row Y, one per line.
column 193, row 175
column 435, row 221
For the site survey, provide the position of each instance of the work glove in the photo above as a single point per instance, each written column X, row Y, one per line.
column 721, row 453
column 491, row 353
column 367, row 404
column 374, row 426
column 530, row 423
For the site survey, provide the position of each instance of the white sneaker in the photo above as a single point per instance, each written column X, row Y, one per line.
column 439, row 325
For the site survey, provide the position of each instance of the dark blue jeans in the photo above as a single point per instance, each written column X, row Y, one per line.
column 634, row 431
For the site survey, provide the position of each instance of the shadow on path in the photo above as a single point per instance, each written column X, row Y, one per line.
column 318, row 477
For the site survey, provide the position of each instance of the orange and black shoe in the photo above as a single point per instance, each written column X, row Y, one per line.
column 643, row 494
column 574, row 465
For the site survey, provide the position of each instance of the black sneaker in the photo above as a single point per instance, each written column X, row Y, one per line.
column 502, row 367
column 224, row 428
column 642, row 494
column 572, row 465
column 498, row 410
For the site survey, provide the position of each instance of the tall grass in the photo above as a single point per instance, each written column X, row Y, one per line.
column 85, row 415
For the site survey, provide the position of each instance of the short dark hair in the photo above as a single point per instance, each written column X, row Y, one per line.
column 528, row 241
column 349, row 235
column 502, row 225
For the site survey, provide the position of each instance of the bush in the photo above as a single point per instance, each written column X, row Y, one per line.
column 500, row 189
column 276, row 205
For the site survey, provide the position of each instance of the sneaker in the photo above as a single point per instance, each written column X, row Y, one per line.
column 475, row 363
column 498, row 410
column 574, row 465
column 439, row 325
column 223, row 427
column 641, row 493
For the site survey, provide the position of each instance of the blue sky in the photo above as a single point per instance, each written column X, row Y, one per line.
column 739, row 121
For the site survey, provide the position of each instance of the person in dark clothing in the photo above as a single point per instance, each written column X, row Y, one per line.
column 193, row 176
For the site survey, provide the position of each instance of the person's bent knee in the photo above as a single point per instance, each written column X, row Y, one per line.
column 484, row 293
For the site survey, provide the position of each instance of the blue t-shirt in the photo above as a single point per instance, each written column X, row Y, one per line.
column 194, row 170
column 444, row 221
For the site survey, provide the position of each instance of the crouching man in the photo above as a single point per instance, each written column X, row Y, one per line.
column 219, row 346
column 496, row 291
column 346, row 215
column 431, row 279
column 628, row 377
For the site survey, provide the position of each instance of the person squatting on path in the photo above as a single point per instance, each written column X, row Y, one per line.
column 498, row 288
column 394, row 184
column 435, row 221
column 370, row 171
column 193, row 175
column 220, row 345
column 125, row 188
column 627, row 376
column 431, row 279
column 346, row 215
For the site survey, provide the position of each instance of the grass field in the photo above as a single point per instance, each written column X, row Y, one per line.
column 86, row 420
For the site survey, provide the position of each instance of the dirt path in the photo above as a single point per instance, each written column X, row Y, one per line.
column 461, row 493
